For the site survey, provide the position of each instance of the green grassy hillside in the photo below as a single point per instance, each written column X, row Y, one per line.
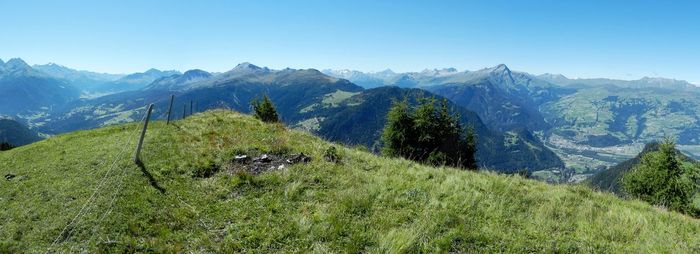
column 365, row 203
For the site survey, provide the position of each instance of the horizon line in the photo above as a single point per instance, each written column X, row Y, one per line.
column 695, row 83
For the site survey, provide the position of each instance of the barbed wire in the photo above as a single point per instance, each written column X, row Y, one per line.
column 91, row 203
column 68, row 229
column 119, row 188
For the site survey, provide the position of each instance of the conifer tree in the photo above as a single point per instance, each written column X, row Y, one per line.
column 398, row 136
column 661, row 179
column 265, row 110
column 429, row 134
column 470, row 149
column 428, row 129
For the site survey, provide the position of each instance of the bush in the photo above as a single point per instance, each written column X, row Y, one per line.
column 332, row 155
column 429, row 134
column 662, row 179
column 265, row 110
column 4, row 146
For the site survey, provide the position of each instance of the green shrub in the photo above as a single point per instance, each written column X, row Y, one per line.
column 265, row 110
column 4, row 146
column 332, row 155
column 429, row 134
column 661, row 179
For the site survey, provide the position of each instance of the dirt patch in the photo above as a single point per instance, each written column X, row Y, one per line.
column 13, row 177
column 265, row 162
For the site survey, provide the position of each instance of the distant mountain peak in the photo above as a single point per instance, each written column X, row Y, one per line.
column 387, row 71
column 247, row 66
column 196, row 73
column 17, row 63
column 53, row 66
column 501, row 68
column 153, row 71
column 2, row 62
column 450, row 69
column 554, row 77
column 498, row 69
column 658, row 79
column 666, row 82
column 438, row 72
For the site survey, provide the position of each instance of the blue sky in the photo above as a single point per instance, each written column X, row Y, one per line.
column 615, row 39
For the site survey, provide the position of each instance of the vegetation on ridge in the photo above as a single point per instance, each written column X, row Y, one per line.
column 4, row 146
column 429, row 134
column 364, row 204
column 661, row 179
column 264, row 110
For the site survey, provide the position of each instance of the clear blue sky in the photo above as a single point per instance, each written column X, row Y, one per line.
column 616, row 39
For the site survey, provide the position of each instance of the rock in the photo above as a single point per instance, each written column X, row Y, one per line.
column 9, row 176
column 298, row 158
column 263, row 158
column 241, row 159
column 280, row 167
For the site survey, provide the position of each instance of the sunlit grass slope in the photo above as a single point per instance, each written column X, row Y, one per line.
column 364, row 204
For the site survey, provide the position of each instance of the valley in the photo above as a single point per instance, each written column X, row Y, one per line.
column 575, row 127
column 349, row 127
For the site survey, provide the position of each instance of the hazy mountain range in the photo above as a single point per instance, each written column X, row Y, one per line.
column 542, row 122
column 590, row 123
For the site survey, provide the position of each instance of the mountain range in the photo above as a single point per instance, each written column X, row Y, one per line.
column 333, row 108
column 590, row 123
column 26, row 90
column 544, row 122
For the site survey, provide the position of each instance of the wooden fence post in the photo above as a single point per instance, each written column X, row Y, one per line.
column 137, row 159
column 184, row 111
column 191, row 108
column 170, row 109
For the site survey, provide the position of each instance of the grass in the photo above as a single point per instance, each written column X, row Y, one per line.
column 363, row 204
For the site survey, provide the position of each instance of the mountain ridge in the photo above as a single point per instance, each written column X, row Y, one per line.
column 591, row 126
column 304, row 98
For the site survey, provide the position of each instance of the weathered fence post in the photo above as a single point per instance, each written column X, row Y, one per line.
column 137, row 159
column 170, row 109
column 191, row 112
column 184, row 111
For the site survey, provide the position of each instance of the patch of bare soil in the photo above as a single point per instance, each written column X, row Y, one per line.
column 265, row 162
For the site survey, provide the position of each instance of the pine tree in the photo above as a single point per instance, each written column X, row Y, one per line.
column 265, row 110
column 428, row 130
column 661, row 179
column 429, row 134
column 398, row 136
column 470, row 149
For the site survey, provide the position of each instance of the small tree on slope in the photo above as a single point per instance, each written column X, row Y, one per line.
column 428, row 134
column 4, row 146
column 265, row 110
column 661, row 179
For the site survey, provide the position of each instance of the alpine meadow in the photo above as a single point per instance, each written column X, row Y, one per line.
column 349, row 127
